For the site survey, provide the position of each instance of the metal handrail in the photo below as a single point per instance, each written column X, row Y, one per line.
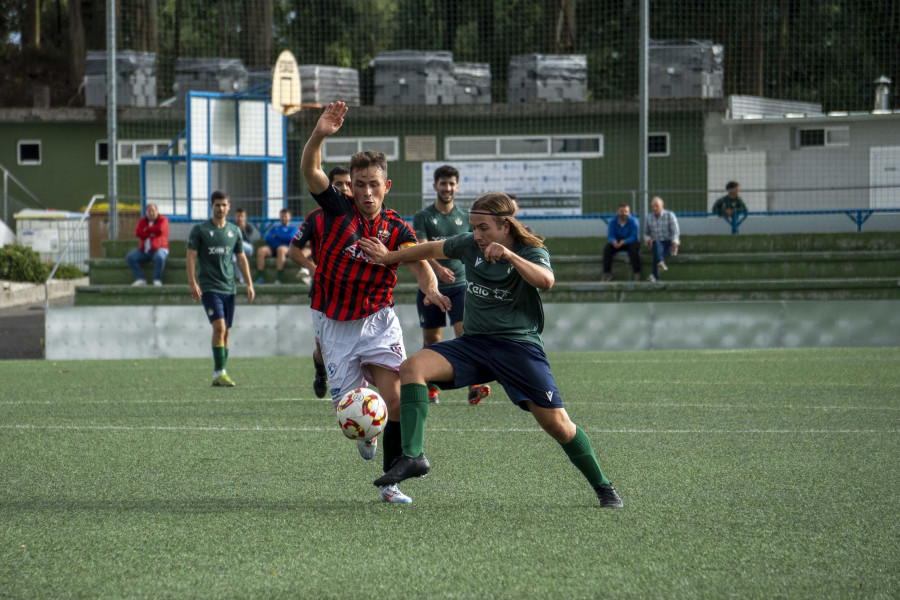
column 65, row 250
column 6, row 177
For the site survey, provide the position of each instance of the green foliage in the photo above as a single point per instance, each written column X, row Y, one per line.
column 18, row 263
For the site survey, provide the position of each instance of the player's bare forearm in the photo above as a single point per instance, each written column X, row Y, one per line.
column 377, row 252
column 244, row 266
column 535, row 275
column 428, row 284
column 191, row 263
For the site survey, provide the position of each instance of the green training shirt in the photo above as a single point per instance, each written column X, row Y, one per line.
column 499, row 302
column 215, row 247
column 431, row 225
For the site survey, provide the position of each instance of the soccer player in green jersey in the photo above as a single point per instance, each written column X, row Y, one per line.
column 435, row 222
column 210, row 271
column 506, row 267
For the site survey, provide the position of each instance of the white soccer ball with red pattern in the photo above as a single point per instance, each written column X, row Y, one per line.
column 362, row 414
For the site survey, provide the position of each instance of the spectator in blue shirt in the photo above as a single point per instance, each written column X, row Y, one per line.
column 623, row 236
column 278, row 243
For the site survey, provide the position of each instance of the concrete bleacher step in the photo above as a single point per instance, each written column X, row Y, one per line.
column 567, row 291
column 115, row 271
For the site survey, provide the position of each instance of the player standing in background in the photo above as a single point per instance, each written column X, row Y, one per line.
column 440, row 221
column 303, row 252
column 210, row 271
column 506, row 268
column 360, row 333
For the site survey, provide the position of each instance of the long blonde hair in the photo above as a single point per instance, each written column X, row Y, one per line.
column 502, row 208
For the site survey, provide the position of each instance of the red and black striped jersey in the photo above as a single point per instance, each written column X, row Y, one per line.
column 348, row 286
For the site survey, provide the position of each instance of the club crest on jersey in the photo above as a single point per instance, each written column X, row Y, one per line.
column 230, row 234
column 384, row 236
column 458, row 222
column 434, row 221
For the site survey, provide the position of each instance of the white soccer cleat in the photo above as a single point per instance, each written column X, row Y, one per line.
column 139, row 282
column 367, row 448
column 391, row 493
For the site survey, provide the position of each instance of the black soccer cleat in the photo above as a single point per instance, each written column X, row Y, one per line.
column 608, row 497
column 320, row 382
column 403, row 468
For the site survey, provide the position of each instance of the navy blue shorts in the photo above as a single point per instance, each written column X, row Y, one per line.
column 521, row 368
column 218, row 306
column 432, row 317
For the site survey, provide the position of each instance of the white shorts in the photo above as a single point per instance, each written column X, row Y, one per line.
column 348, row 347
column 317, row 318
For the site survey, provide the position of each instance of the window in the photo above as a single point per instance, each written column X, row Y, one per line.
column 29, row 152
column 658, row 144
column 130, row 151
column 101, row 153
column 524, row 146
column 340, row 150
column 823, row 137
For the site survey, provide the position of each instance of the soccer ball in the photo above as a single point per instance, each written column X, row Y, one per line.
column 362, row 414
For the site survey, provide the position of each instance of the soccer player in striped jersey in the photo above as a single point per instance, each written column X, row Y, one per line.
column 360, row 334
column 506, row 268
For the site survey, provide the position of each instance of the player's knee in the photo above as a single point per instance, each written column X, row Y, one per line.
column 411, row 370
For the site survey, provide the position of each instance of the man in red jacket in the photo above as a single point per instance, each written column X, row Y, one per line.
column 153, row 234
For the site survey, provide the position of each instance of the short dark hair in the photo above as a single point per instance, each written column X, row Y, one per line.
column 447, row 172
column 338, row 170
column 625, row 204
column 239, row 211
column 731, row 185
column 369, row 158
column 218, row 195
column 284, row 210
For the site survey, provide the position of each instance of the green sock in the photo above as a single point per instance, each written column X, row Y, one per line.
column 413, row 412
column 224, row 362
column 219, row 357
column 582, row 456
column 278, row 274
column 261, row 273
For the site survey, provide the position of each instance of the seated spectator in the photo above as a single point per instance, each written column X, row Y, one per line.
column 153, row 232
column 731, row 203
column 278, row 242
column 662, row 235
column 623, row 236
column 248, row 232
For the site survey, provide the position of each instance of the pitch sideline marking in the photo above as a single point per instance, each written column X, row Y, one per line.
column 318, row 429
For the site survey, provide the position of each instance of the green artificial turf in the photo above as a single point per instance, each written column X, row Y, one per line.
column 752, row 474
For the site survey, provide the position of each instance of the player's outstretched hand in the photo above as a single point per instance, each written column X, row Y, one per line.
column 375, row 250
column 495, row 252
column 435, row 298
column 331, row 119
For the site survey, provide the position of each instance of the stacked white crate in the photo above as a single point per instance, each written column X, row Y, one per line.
column 135, row 78
column 473, row 83
column 224, row 75
column 685, row 69
column 547, row 78
column 319, row 84
column 414, row 77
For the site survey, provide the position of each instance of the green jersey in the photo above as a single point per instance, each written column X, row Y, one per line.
column 431, row 225
column 499, row 302
column 215, row 248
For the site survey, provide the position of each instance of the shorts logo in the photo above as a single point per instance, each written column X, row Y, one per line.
column 478, row 261
column 209, row 311
column 335, row 392
column 332, row 369
column 422, row 319
column 397, row 349
column 549, row 395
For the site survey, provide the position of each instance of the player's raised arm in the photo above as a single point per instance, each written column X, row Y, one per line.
column 378, row 252
column 329, row 122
